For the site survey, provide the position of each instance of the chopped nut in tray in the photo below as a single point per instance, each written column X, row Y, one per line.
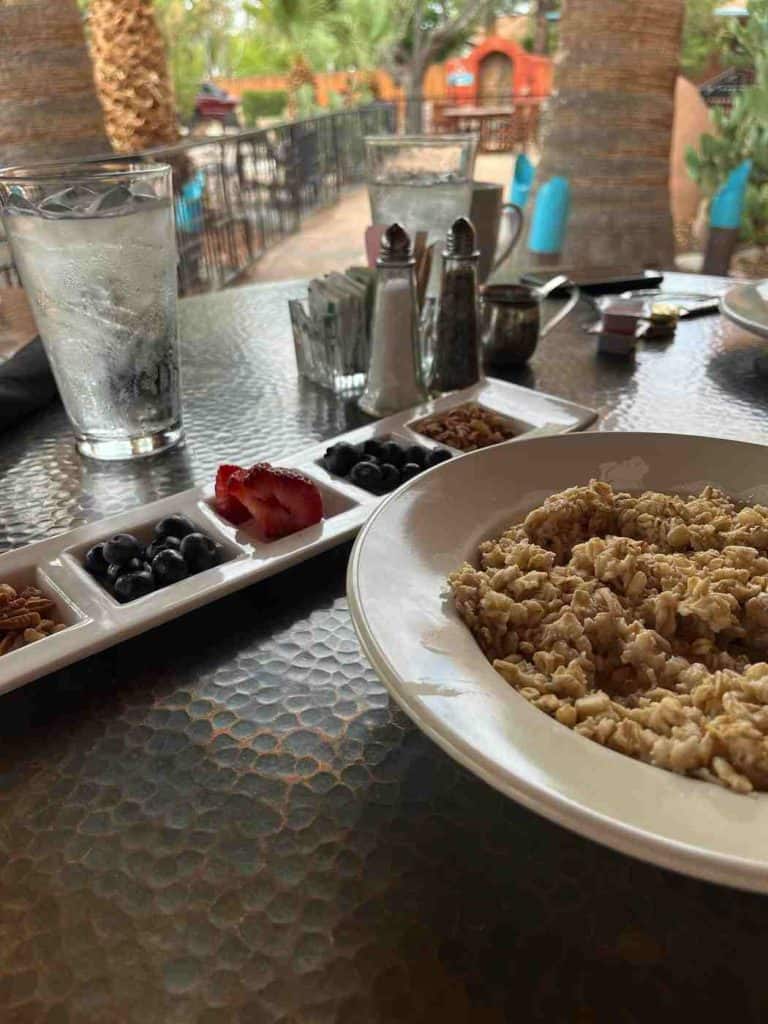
column 24, row 617
column 466, row 427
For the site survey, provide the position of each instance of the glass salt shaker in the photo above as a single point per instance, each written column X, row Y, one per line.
column 394, row 374
column 457, row 338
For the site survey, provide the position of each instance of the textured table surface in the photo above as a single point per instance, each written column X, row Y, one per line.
column 227, row 820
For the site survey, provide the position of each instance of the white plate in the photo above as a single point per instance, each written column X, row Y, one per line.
column 747, row 306
column 432, row 666
column 98, row 621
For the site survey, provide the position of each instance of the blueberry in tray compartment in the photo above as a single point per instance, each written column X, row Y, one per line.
column 380, row 464
column 132, row 564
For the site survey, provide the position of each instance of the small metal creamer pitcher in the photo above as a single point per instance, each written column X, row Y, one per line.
column 512, row 320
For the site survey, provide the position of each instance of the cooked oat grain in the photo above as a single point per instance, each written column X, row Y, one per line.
column 641, row 622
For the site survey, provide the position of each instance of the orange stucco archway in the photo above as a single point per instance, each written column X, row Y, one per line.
column 531, row 75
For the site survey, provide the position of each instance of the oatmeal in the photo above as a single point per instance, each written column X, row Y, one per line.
column 641, row 622
column 466, row 427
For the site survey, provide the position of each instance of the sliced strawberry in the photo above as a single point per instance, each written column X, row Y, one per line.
column 227, row 505
column 281, row 501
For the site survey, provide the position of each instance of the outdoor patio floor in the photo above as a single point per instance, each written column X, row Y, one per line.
column 332, row 239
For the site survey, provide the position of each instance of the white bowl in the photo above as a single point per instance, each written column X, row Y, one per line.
column 434, row 669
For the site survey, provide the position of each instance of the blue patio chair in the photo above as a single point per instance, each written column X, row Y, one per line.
column 522, row 181
column 728, row 202
column 550, row 218
column 725, row 213
column 189, row 205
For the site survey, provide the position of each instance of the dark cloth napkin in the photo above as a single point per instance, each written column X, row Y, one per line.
column 26, row 384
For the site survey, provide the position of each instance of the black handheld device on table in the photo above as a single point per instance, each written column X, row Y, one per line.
column 596, row 281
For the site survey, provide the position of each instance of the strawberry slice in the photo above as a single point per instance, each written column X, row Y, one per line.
column 281, row 501
column 227, row 505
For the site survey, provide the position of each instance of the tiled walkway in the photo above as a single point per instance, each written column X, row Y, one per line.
column 332, row 239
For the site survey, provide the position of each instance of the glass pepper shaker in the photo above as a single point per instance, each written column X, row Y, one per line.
column 394, row 374
column 457, row 337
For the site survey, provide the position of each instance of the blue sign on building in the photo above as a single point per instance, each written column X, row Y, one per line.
column 461, row 77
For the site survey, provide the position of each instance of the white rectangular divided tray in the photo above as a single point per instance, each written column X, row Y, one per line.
column 96, row 620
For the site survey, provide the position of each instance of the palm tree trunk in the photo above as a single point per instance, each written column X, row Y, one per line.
column 414, row 98
column 541, row 26
column 48, row 104
column 609, row 126
column 131, row 72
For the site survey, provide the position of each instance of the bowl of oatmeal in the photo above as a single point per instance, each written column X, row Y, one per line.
column 582, row 621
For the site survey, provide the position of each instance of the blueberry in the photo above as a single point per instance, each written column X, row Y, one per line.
column 169, row 567
column 199, row 552
column 367, row 475
column 121, row 548
column 131, row 585
column 390, row 477
column 393, row 454
column 373, row 447
column 95, row 562
column 166, row 544
column 438, row 455
column 340, row 458
column 415, row 454
column 115, row 570
column 174, row 526
column 154, row 549
column 410, row 470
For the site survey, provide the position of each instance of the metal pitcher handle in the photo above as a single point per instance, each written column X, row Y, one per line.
column 513, row 213
column 558, row 282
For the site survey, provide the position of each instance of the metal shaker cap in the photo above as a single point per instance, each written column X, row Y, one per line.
column 396, row 249
column 460, row 240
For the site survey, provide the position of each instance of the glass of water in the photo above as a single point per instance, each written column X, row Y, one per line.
column 95, row 248
column 423, row 182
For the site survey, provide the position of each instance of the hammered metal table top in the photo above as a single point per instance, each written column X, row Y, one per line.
column 226, row 820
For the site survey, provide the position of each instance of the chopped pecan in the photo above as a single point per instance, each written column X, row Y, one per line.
column 24, row 620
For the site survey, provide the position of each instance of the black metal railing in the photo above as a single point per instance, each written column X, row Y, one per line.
column 237, row 194
column 721, row 90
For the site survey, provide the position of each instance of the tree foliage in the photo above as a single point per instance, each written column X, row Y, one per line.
column 237, row 38
column 742, row 131
column 269, row 103
column 294, row 27
column 703, row 34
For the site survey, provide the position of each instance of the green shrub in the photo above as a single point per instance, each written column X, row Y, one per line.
column 269, row 103
column 335, row 100
column 306, row 104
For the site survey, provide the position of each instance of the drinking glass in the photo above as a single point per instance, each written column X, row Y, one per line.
column 423, row 182
column 95, row 249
